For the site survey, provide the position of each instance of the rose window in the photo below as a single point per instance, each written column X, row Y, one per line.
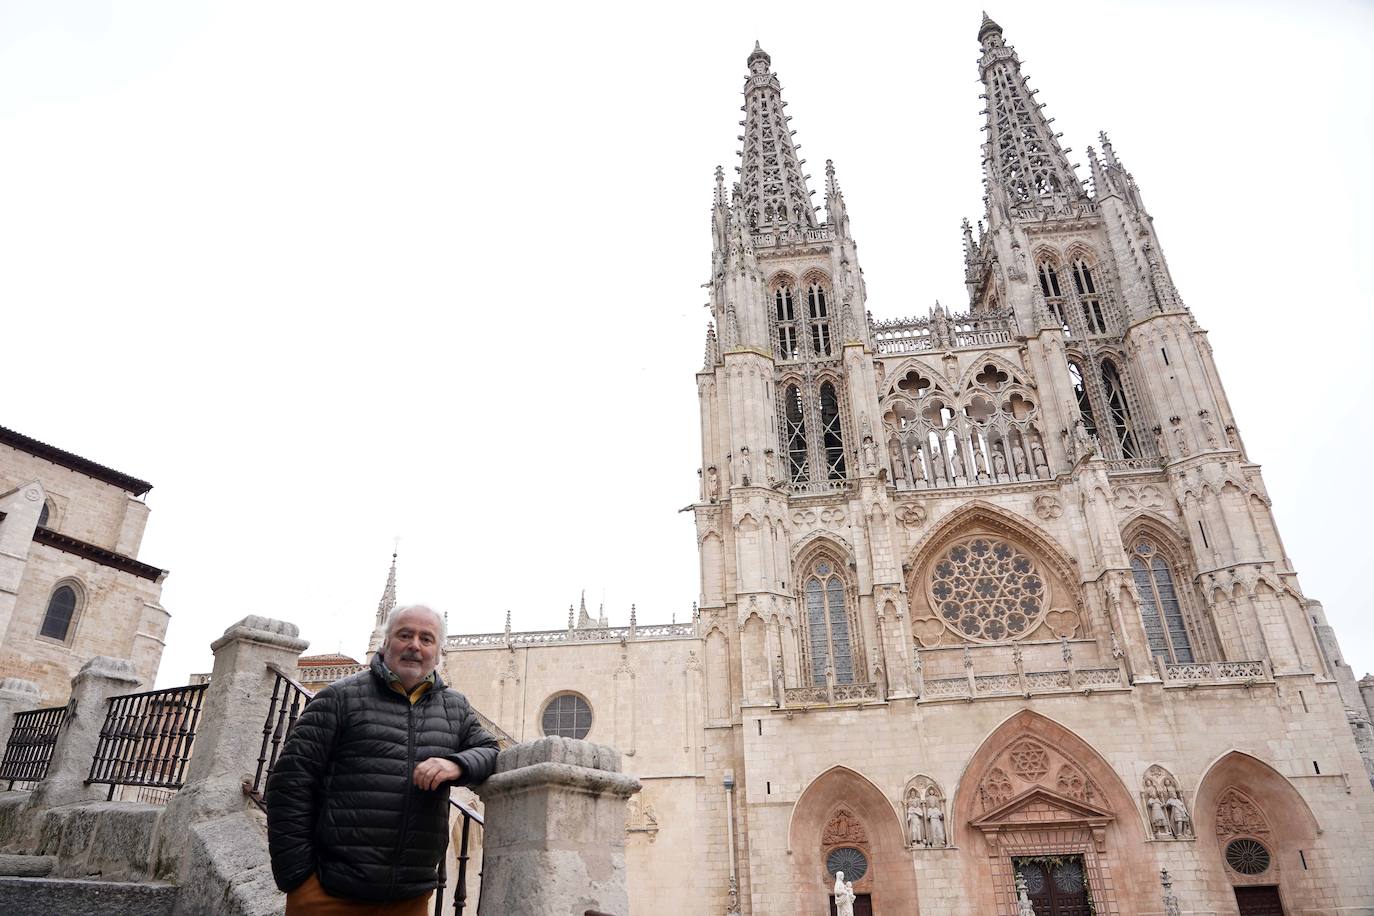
column 1249, row 857
column 986, row 589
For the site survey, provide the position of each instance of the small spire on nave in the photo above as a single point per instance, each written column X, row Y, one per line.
column 388, row 599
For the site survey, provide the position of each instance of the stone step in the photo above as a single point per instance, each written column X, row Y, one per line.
column 21, row 866
column 70, row 897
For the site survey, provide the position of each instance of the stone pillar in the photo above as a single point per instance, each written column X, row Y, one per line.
column 554, row 841
column 99, row 679
column 229, row 738
column 16, row 695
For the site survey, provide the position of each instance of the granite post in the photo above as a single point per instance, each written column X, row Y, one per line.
column 99, row 679
column 554, row 840
column 16, row 695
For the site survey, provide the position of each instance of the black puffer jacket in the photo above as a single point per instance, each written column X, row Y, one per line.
column 340, row 801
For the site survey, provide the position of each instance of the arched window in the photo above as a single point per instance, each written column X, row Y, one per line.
column 819, row 314
column 1120, row 414
column 794, row 416
column 567, row 716
column 1054, row 295
column 1080, row 392
column 827, row 624
column 832, row 438
column 43, row 516
column 1159, row 604
column 787, row 322
column 1088, row 297
column 62, row 608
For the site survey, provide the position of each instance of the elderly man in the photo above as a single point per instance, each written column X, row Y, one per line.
column 357, row 805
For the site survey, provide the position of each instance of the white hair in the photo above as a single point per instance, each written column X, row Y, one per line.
column 397, row 611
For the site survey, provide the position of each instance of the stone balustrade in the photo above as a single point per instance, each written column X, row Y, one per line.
column 573, row 635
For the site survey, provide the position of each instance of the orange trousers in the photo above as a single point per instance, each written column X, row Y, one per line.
column 310, row 900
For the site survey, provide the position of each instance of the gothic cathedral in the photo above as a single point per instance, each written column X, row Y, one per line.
column 994, row 616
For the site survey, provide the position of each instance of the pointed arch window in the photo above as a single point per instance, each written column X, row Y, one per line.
column 1160, row 609
column 43, row 515
column 1120, row 414
column 1080, row 393
column 832, row 436
column 794, row 417
column 818, row 312
column 63, row 604
column 827, row 623
column 1088, row 297
column 786, row 316
column 1054, row 294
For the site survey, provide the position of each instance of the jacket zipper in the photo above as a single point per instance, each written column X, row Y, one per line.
column 405, row 806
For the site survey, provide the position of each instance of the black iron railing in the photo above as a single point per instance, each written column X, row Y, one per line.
column 288, row 699
column 146, row 739
column 460, row 893
column 31, row 742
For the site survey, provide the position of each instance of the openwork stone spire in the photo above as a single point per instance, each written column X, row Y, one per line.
column 771, row 180
column 388, row 600
column 1022, row 155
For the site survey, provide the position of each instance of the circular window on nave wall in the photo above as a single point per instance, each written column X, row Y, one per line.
column 987, row 589
column 567, row 716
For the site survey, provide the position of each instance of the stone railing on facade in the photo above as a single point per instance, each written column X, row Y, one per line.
column 1133, row 464
column 571, row 635
column 322, row 674
column 1193, row 673
column 820, row 487
column 831, row 695
column 794, row 237
column 940, row 332
column 1028, row 683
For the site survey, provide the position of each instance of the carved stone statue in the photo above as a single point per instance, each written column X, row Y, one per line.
column 844, row 896
column 918, row 468
column 712, row 484
column 980, row 461
column 1018, row 459
column 1178, row 814
column 746, row 466
column 999, row 461
column 915, row 822
column 1159, row 820
column 870, row 454
column 779, row 682
column 1042, row 467
column 956, row 463
column 1083, row 445
column 937, row 464
column 935, row 835
column 769, row 468
column 894, row 453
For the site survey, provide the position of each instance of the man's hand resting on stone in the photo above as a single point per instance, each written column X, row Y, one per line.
column 434, row 772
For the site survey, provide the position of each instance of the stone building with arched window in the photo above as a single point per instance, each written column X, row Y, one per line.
column 993, row 612
column 71, row 584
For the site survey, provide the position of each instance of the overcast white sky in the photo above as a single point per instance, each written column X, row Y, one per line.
column 328, row 273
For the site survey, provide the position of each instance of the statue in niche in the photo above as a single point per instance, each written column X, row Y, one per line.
column 999, row 460
column 844, row 896
column 1161, row 445
column 918, row 468
column 712, row 484
column 1178, row 814
column 1042, row 467
column 956, row 463
column 894, row 453
column 1018, row 458
column 1181, row 440
column 746, row 466
column 915, row 821
column 935, row 834
column 1209, row 428
column 980, row 461
column 779, row 682
column 1159, row 818
column 870, row 454
column 937, row 464
column 768, row 465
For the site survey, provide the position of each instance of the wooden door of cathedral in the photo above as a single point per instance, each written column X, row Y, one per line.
column 1056, row 888
column 1259, row 901
column 863, row 905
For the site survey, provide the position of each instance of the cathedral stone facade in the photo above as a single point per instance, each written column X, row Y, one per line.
column 994, row 614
